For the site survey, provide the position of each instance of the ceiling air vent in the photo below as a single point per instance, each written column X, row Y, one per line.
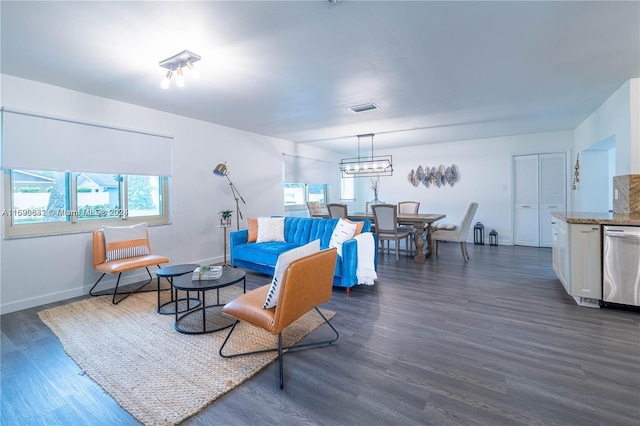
column 363, row 108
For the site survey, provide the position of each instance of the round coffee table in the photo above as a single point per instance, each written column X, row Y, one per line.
column 195, row 321
column 170, row 272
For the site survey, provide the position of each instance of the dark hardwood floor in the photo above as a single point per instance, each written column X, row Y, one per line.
column 491, row 342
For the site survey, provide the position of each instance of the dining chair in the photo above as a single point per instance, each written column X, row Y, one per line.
column 409, row 207
column 385, row 217
column 337, row 210
column 458, row 235
column 315, row 209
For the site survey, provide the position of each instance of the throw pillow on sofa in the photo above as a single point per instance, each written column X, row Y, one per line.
column 283, row 261
column 270, row 229
column 359, row 227
column 344, row 230
column 252, row 225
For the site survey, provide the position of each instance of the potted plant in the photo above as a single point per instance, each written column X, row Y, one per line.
column 203, row 269
column 225, row 217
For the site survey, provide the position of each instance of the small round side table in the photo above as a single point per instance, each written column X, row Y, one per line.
column 169, row 272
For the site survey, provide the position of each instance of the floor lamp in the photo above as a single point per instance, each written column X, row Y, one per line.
column 221, row 170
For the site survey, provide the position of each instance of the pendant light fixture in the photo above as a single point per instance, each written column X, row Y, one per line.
column 373, row 165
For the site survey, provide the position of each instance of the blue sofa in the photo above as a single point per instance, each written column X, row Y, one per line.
column 298, row 231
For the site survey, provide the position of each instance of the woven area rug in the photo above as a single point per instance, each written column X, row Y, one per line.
column 161, row 376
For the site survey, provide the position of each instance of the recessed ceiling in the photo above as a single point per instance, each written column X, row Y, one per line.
column 440, row 71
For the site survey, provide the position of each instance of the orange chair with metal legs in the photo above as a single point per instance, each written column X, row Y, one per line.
column 306, row 283
column 120, row 265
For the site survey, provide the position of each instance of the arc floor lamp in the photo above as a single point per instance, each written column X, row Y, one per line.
column 222, row 170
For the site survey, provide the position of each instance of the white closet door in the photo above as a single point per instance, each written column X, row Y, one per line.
column 526, row 217
column 553, row 190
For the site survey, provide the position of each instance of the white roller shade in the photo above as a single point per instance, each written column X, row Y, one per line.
column 37, row 142
column 308, row 170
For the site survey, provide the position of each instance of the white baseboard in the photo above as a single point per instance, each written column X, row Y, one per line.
column 107, row 283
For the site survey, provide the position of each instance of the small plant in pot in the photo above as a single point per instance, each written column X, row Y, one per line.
column 203, row 269
column 225, row 217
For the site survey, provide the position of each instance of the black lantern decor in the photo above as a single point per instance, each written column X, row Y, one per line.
column 493, row 238
column 478, row 234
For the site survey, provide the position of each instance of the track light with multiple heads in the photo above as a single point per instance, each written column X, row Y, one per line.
column 177, row 63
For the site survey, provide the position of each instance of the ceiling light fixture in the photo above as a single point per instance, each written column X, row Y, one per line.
column 179, row 77
column 166, row 80
column 375, row 165
column 192, row 68
column 177, row 63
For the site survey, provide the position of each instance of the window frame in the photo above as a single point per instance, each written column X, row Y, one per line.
column 303, row 206
column 73, row 225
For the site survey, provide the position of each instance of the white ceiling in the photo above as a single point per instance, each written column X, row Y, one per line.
column 440, row 71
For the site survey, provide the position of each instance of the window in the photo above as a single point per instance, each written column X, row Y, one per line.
column 45, row 202
column 347, row 189
column 297, row 194
column 66, row 175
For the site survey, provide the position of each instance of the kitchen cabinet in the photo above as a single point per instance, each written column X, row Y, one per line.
column 585, row 255
column 576, row 241
column 560, row 249
column 577, row 260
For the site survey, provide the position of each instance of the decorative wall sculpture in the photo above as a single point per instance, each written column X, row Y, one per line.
column 440, row 176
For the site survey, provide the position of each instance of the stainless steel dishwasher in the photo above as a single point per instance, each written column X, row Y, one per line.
column 621, row 265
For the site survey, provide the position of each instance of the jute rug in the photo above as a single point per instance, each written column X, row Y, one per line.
column 158, row 375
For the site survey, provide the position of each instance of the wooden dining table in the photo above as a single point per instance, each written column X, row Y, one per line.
column 421, row 221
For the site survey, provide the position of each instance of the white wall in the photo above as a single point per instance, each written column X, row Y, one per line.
column 485, row 168
column 34, row 271
column 594, row 176
column 618, row 119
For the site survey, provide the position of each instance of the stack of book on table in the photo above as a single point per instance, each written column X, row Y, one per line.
column 207, row 272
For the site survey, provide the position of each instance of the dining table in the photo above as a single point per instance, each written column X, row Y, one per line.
column 421, row 221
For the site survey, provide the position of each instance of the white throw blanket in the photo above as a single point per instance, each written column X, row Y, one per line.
column 365, row 270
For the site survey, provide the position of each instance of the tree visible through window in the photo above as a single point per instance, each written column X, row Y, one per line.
column 143, row 195
column 62, row 199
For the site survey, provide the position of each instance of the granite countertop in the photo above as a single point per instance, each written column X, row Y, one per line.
column 597, row 218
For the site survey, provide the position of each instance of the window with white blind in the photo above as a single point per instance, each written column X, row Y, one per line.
column 64, row 176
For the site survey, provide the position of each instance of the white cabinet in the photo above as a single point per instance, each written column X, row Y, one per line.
column 577, row 260
column 560, row 248
column 586, row 278
column 553, row 187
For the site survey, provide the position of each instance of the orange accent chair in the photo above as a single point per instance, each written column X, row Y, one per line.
column 122, row 265
column 306, row 283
